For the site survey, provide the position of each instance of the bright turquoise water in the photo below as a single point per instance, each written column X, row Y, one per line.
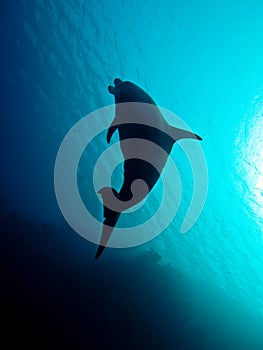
column 200, row 59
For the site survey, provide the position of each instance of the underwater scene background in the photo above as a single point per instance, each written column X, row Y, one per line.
column 203, row 60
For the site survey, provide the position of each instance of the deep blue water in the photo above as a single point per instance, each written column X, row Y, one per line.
column 203, row 61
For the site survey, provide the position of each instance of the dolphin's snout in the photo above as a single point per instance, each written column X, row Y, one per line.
column 112, row 90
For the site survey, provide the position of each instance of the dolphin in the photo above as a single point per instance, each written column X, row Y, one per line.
column 137, row 118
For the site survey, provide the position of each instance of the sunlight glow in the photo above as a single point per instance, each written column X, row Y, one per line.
column 250, row 169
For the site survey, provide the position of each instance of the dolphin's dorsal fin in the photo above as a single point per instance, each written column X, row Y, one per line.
column 178, row 134
column 112, row 129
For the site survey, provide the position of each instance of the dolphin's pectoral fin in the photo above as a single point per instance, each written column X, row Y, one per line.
column 198, row 137
column 112, row 90
column 113, row 127
column 111, row 131
column 179, row 134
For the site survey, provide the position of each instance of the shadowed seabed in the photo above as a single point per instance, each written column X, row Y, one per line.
column 57, row 294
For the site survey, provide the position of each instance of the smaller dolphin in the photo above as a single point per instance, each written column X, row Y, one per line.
column 137, row 117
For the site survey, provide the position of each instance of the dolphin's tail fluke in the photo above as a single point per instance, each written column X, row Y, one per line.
column 108, row 226
column 110, row 220
column 99, row 251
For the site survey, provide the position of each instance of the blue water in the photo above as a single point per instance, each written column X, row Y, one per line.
column 203, row 61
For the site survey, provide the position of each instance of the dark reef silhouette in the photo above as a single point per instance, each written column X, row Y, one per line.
column 55, row 295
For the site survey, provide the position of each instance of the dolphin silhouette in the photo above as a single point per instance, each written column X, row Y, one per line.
column 137, row 118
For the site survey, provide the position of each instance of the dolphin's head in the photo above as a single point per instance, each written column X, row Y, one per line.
column 126, row 91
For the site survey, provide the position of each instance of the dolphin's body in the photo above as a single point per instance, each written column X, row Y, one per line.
column 137, row 117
